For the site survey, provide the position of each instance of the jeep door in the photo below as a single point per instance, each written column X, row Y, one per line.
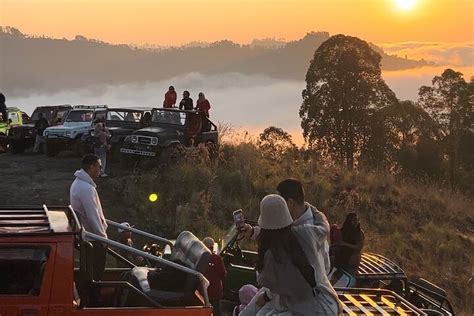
column 26, row 273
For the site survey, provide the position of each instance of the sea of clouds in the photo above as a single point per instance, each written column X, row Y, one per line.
column 246, row 102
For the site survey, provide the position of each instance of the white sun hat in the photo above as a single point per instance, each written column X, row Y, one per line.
column 274, row 213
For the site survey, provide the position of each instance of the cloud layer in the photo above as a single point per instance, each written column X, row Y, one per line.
column 250, row 102
column 457, row 54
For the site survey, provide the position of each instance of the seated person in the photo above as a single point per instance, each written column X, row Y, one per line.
column 348, row 254
column 146, row 120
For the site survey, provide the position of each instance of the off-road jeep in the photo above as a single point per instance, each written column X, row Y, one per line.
column 120, row 122
column 16, row 117
column 170, row 130
column 79, row 121
column 375, row 271
column 22, row 137
column 46, row 269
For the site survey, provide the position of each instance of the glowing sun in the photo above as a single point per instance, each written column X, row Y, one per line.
column 405, row 4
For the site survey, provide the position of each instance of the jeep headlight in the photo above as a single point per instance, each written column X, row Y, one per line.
column 134, row 139
column 154, row 141
column 67, row 134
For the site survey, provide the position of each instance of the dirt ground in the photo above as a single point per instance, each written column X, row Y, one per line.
column 31, row 179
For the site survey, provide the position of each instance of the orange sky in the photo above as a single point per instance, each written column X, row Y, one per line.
column 171, row 22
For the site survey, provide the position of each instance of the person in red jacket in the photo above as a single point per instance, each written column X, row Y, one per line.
column 170, row 98
column 202, row 104
column 215, row 274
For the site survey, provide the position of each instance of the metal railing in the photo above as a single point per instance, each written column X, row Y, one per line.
column 203, row 281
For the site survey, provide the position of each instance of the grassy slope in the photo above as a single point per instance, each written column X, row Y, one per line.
column 428, row 230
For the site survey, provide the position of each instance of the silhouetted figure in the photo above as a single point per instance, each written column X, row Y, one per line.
column 146, row 121
column 202, row 104
column 3, row 108
column 40, row 125
column 349, row 249
column 170, row 98
column 186, row 103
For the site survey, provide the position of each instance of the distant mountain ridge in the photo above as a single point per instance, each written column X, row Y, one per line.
column 42, row 64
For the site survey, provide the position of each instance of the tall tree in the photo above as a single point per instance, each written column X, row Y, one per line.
column 274, row 143
column 450, row 104
column 344, row 88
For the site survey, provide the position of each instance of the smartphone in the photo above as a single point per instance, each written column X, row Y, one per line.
column 239, row 219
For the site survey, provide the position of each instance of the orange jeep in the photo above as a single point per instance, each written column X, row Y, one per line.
column 43, row 263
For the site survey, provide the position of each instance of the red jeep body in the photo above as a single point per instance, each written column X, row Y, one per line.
column 37, row 273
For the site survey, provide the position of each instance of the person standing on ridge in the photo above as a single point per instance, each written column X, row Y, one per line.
column 186, row 103
column 202, row 104
column 170, row 98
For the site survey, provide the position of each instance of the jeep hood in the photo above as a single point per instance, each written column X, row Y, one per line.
column 69, row 126
column 154, row 130
column 121, row 130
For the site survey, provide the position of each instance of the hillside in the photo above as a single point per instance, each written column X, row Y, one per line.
column 47, row 65
column 427, row 229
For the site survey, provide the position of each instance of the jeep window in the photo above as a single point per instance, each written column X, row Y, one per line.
column 22, row 269
column 124, row 116
column 169, row 117
column 80, row 116
column 99, row 115
column 14, row 117
column 48, row 114
column 25, row 118
column 60, row 116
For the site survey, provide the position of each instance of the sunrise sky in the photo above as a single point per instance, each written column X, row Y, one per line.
column 173, row 22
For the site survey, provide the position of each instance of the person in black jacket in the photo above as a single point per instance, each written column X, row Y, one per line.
column 186, row 103
column 3, row 108
column 40, row 125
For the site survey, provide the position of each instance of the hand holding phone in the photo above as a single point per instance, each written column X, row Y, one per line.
column 239, row 219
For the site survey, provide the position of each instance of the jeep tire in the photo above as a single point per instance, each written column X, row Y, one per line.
column 51, row 150
column 17, row 147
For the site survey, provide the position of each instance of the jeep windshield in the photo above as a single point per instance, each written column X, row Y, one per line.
column 47, row 114
column 168, row 117
column 124, row 116
column 80, row 116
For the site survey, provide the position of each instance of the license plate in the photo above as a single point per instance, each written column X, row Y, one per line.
column 137, row 152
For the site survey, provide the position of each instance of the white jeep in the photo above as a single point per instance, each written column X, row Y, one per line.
column 79, row 121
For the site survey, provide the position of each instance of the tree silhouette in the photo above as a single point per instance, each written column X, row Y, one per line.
column 344, row 88
column 275, row 143
column 450, row 104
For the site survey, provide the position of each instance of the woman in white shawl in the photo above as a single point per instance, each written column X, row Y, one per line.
column 286, row 272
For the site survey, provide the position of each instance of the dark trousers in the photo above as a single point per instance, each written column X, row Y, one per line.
column 216, row 304
column 98, row 264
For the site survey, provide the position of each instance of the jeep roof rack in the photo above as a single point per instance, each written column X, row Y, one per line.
column 26, row 220
column 53, row 106
column 356, row 301
column 131, row 108
column 375, row 266
column 92, row 107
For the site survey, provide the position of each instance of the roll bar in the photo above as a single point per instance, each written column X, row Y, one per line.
column 204, row 282
column 140, row 232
